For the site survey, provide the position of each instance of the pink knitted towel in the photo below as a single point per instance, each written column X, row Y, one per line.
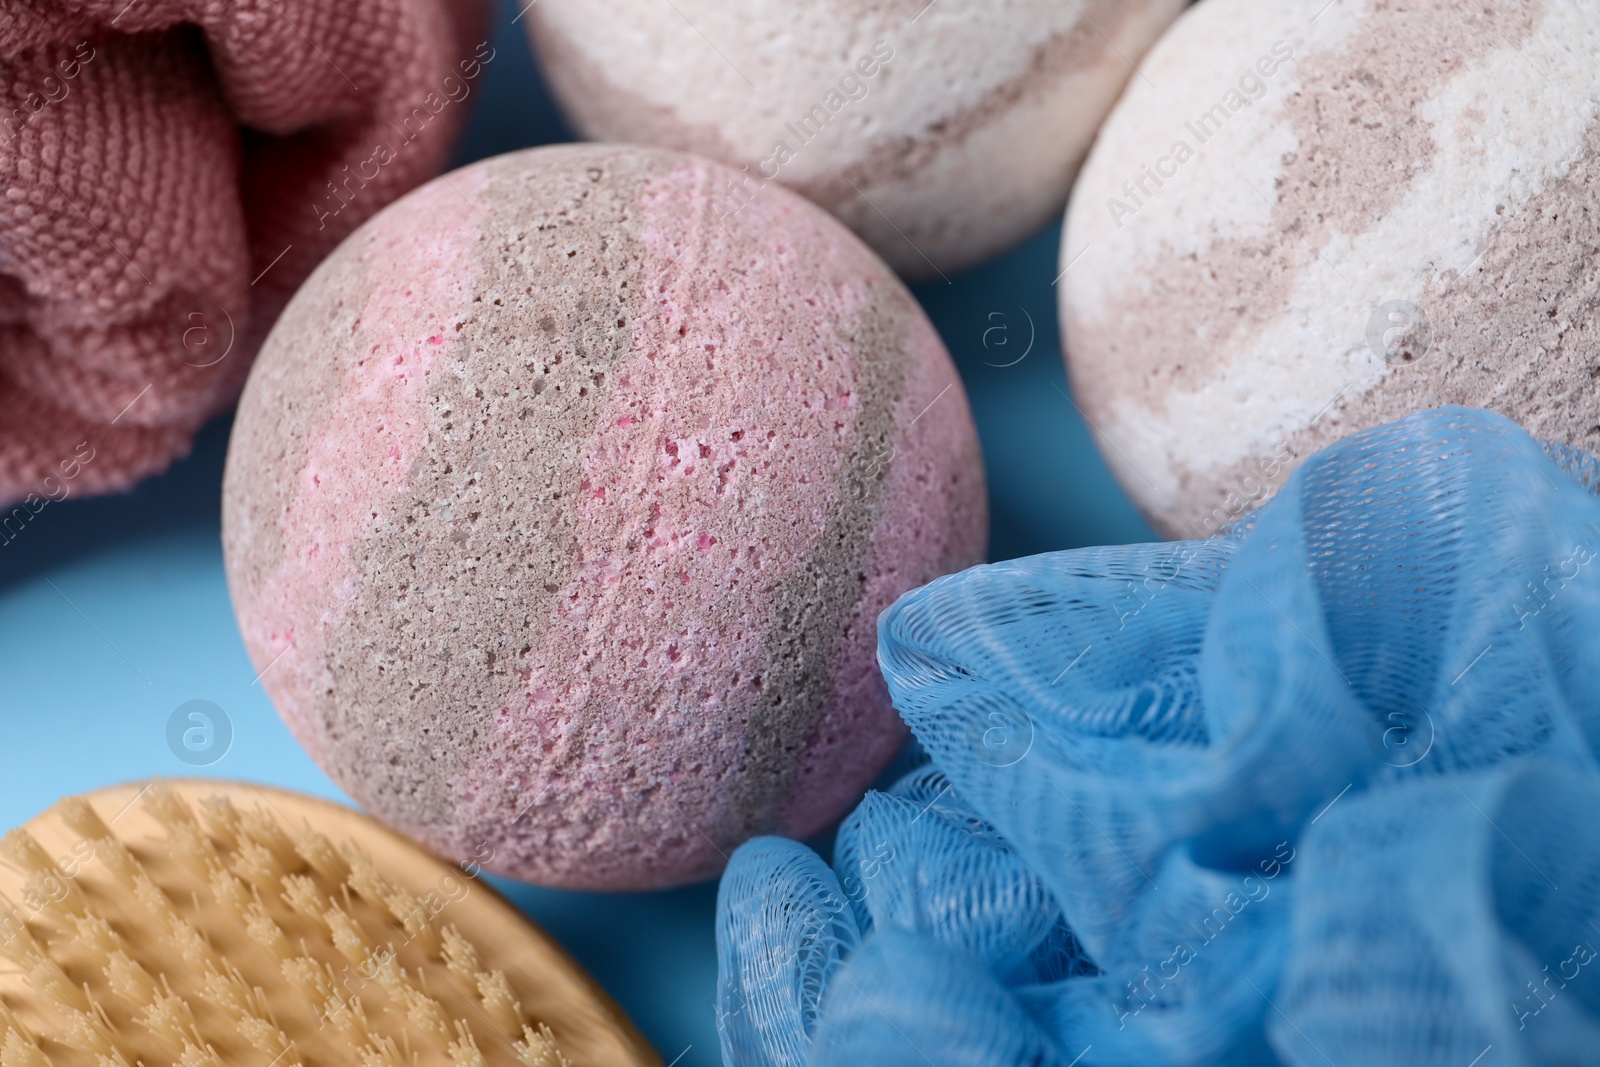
column 172, row 170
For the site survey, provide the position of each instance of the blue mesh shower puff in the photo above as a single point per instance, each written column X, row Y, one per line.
column 1321, row 791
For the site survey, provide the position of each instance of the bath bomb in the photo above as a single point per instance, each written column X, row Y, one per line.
column 558, row 514
column 1312, row 219
column 942, row 133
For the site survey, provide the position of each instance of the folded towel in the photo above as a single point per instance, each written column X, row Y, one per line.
column 172, row 170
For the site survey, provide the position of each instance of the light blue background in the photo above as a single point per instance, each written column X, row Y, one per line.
column 114, row 611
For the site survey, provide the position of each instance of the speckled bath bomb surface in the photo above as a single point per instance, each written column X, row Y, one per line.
column 1403, row 213
column 941, row 133
column 559, row 515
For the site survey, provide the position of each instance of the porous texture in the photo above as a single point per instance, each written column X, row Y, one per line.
column 962, row 139
column 559, row 515
column 172, row 170
column 1434, row 161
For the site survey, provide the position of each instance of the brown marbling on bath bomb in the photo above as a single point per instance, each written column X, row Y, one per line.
column 1358, row 211
column 559, row 514
column 942, row 133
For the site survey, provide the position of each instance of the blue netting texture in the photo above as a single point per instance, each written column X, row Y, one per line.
column 1320, row 791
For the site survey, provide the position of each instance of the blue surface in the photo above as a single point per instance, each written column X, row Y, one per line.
column 114, row 611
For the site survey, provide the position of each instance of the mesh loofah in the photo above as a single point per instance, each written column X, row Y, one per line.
column 1301, row 794
column 173, row 169
column 781, row 937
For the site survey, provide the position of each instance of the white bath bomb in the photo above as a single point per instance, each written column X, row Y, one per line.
column 1310, row 218
column 940, row 132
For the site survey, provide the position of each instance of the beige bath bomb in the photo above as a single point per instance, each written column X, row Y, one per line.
column 940, row 132
column 1312, row 218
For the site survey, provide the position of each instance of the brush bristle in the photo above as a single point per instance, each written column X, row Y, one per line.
column 19, row 1051
column 464, row 1051
column 230, row 936
column 46, row 882
column 538, row 1048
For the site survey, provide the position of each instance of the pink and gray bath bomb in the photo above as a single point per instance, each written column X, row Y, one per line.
column 559, row 514
column 1313, row 218
column 942, row 133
